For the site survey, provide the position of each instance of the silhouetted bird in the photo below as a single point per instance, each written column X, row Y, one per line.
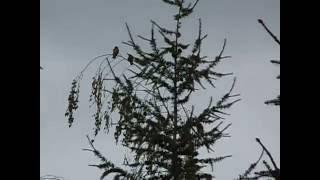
column 130, row 59
column 115, row 52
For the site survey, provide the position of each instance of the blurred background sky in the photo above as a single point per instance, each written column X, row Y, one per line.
column 74, row 31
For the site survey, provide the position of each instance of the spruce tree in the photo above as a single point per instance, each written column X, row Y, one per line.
column 270, row 171
column 157, row 121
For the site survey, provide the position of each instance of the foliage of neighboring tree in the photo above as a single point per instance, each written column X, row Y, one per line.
column 156, row 119
column 271, row 171
column 275, row 101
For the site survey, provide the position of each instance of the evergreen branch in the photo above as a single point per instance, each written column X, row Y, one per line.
column 267, row 166
column 163, row 29
column 128, row 44
column 253, row 165
column 95, row 151
column 198, row 42
column 111, row 167
column 161, row 99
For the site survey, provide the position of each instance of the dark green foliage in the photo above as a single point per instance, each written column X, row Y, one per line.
column 152, row 99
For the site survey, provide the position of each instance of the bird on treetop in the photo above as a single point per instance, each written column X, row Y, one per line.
column 130, row 59
column 115, row 52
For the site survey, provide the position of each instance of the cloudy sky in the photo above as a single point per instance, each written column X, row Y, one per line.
column 75, row 31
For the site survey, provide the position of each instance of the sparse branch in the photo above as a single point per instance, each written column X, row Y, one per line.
column 111, row 67
column 194, row 5
column 268, row 153
column 223, row 47
column 270, row 33
column 129, row 32
column 90, row 142
column 199, row 36
column 185, row 111
column 252, row 167
column 143, row 38
column 161, row 28
column 114, row 75
column 233, row 83
column 92, row 62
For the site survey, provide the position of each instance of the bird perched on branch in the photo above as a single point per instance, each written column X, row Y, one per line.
column 130, row 59
column 115, row 52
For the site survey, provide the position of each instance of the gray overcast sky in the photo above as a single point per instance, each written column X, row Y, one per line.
column 74, row 31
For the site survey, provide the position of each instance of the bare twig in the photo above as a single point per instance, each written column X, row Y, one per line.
column 92, row 62
column 128, row 29
column 270, row 33
column 194, row 5
column 268, row 153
